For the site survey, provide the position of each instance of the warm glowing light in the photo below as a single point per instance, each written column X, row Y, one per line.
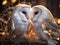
column 58, row 38
column 58, row 21
column 49, row 34
column 3, row 33
column 13, row 1
column 31, row 34
column 4, row 2
column 45, row 31
column 50, row 30
column 14, row 14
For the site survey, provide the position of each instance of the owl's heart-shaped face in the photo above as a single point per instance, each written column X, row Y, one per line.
column 25, row 12
column 22, row 13
column 20, row 17
column 25, row 18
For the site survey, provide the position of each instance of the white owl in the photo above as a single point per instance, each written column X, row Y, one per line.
column 20, row 16
column 41, row 17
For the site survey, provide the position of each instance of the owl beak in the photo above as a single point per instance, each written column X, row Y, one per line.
column 30, row 21
column 31, row 34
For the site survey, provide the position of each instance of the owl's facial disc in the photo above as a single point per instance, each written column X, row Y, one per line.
column 26, row 12
column 37, row 11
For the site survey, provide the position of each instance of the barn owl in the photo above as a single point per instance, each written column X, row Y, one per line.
column 43, row 15
column 43, row 19
column 40, row 16
column 20, row 16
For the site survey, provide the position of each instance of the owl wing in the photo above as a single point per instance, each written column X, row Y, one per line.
column 47, row 18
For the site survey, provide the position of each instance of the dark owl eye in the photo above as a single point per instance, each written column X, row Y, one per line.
column 36, row 12
column 23, row 12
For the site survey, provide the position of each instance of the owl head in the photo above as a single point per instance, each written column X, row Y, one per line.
column 23, row 12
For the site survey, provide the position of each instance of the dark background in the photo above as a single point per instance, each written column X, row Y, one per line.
column 52, row 5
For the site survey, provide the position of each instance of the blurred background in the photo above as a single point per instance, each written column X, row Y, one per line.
column 6, row 7
column 52, row 5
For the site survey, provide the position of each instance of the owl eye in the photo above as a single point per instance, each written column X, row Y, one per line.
column 23, row 12
column 36, row 12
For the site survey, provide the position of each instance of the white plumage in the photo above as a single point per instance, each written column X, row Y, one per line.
column 41, row 17
column 20, row 17
column 45, row 17
column 43, row 20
